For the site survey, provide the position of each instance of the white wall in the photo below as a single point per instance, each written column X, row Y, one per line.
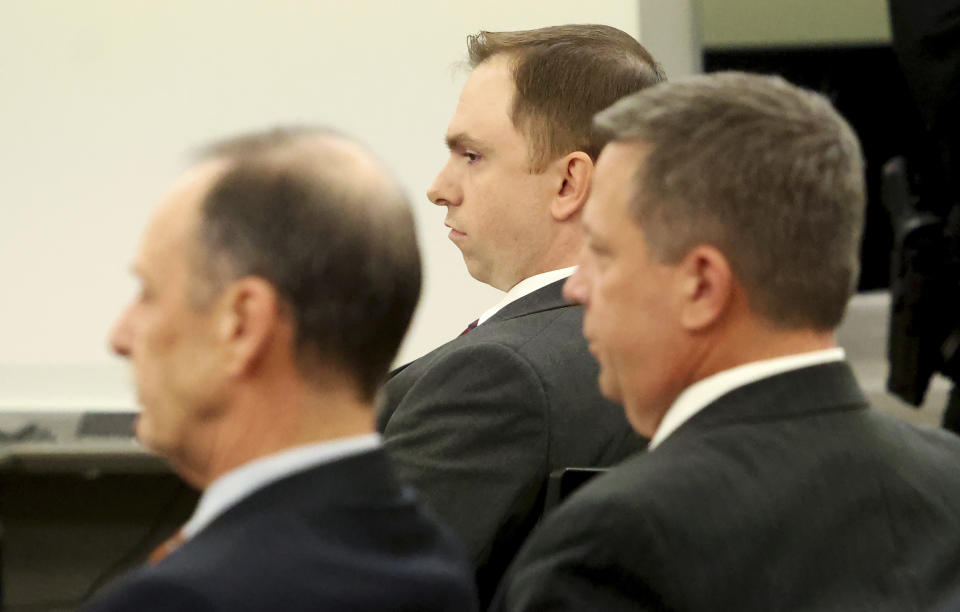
column 102, row 100
column 670, row 29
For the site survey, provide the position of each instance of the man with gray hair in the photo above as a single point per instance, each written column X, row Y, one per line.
column 722, row 237
column 278, row 278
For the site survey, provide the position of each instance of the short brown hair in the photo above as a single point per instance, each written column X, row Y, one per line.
column 563, row 75
column 318, row 218
column 765, row 171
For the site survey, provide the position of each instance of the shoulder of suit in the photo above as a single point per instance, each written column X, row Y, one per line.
column 560, row 327
column 163, row 587
column 652, row 477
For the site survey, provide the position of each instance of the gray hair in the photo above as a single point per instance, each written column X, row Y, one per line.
column 322, row 221
column 766, row 172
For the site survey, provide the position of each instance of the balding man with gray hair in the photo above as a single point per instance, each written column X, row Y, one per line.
column 722, row 239
column 278, row 278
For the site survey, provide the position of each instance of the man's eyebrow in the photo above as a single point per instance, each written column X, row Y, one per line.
column 460, row 141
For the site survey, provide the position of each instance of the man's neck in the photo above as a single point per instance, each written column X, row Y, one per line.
column 262, row 422
column 562, row 252
column 757, row 343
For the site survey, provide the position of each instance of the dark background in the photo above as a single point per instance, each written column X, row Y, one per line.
column 865, row 84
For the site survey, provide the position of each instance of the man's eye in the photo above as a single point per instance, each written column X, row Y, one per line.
column 471, row 157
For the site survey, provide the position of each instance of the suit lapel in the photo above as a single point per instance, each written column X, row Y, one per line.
column 546, row 298
column 549, row 297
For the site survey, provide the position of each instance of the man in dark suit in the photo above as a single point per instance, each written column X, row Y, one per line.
column 722, row 239
column 478, row 424
column 278, row 278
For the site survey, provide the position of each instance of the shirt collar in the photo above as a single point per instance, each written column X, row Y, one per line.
column 526, row 287
column 232, row 487
column 702, row 393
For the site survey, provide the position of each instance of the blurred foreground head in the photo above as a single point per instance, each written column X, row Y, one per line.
column 281, row 268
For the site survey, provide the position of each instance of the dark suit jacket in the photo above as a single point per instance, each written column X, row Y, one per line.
column 478, row 424
column 786, row 494
column 340, row 536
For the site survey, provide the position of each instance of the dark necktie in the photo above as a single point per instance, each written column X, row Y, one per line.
column 470, row 327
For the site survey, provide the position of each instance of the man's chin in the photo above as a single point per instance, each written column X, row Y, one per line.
column 609, row 389
column 474, row 270
column 144, row 433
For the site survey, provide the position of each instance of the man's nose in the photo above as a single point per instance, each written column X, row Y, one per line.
column 121, row 337
column 443, row 191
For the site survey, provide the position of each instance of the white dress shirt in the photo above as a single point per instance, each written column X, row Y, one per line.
column 526, row 287
column 231, row 488
column 699, row 395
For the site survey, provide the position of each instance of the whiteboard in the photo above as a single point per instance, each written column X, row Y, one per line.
column 102, row 101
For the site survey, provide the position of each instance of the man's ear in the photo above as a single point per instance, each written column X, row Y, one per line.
column 247, row 322
column 707, row 287
column 576, row 170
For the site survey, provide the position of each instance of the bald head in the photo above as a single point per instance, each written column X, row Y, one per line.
column 317, row 154
column 322, row 221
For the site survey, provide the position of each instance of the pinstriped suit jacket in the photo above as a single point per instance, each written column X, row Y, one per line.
column 478, row 424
